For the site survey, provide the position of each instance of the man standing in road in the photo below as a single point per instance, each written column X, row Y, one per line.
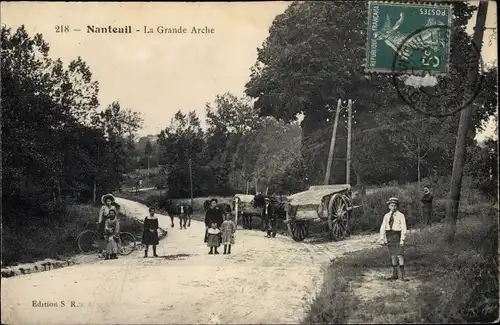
column 269, row 218
column 427, row 205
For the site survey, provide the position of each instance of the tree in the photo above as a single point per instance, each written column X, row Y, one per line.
column 313, row 56
column 55, row 144
column 148, row 151
column 483, row 167
column 182, row 140
column 330, row 38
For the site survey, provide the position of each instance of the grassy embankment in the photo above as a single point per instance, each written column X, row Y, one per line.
column 449, row 284
column 56, row 239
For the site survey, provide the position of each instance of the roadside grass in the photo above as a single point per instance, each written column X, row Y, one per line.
column 372, row 207
column 56, row 239
column 459, row 283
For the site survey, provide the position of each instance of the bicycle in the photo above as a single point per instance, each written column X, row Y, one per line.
column 88, row 242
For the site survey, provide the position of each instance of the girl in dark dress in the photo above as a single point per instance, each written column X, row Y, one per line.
column 150, row 234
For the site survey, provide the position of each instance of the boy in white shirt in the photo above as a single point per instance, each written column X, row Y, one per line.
column 393, row 233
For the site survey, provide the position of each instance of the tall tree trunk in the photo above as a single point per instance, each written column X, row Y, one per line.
column 237, row 152
column 94, row 194
column 419, row 161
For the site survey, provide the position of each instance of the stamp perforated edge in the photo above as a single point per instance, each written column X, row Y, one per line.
column 390, row 71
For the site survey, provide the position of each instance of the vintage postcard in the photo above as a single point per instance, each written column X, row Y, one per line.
column 249, row 162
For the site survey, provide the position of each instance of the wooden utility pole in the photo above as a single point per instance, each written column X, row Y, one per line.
column 348, row 156
column 148, row 166
column 191, row 181
column 459, row 158
column 255, row 178
column 248, row 186
column 332, row 144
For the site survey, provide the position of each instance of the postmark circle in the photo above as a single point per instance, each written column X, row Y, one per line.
column 453, row 92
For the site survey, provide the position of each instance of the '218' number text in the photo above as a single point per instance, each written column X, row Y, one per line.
column 62, row 29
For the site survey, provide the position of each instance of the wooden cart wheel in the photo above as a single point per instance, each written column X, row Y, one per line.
column 338, row 217
column 298, row 230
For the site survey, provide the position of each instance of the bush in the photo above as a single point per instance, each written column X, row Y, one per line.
column 55, row 237
column 368, row 216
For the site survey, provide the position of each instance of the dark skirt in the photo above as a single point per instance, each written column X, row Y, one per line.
column 213, row 240
column 393, row 240
column 102, row 225
column 150, row 238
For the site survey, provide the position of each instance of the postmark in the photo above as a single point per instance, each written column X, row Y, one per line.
column 390, row 24
column 437, row 94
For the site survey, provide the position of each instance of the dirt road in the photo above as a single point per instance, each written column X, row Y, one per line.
column 263, row 281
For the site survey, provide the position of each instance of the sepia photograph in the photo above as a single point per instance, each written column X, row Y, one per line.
column 341, row 158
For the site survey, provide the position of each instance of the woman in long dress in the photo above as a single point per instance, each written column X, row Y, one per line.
column 107, row 205
column 112, row 235
column 150, row 234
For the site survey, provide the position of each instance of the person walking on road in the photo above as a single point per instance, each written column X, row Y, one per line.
column 393, row 233
column 228, row 229
column 269, row 218
column 426, row 200
column 150, row 234
column 213, row 215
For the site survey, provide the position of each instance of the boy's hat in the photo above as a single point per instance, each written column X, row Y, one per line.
column 393, row 200
column 214, row 199
column 107, row 196
column 267, row 199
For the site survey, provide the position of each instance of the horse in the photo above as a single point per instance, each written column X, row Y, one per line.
column 184, row 211
column 175, row 210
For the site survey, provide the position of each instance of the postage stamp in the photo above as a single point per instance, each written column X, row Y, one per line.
column 399, row 30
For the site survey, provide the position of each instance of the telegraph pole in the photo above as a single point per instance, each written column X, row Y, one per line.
column 332, row 144
column 459, row 158
column 348, row 156
column 191, row 181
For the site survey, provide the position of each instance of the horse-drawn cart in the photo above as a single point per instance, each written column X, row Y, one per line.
column 331, row 203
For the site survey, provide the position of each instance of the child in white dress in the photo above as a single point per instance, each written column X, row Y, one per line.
column 213, row 238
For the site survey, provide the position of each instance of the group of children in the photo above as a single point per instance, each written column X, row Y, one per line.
column 392, row 232
column 224, row 236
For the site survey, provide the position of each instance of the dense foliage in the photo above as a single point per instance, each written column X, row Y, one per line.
column 57, row 146
column 314, row 55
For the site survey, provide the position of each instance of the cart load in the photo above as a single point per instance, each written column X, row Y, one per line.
column 329, row 203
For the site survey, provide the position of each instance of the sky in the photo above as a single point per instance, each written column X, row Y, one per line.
column 159, row 74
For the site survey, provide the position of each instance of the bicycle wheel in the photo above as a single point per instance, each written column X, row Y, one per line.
column 88, row 242
column 127, row 243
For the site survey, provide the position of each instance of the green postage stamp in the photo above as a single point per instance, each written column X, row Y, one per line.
column 408, row 38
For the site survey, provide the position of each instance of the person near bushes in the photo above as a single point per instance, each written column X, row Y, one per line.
column 269, row 218
column 213, row 238
column 150, row 233
column 107, row 205
column 112, row 235
column 228, row 229
column 213, row 215
column 427, row 205
column 393, row 233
